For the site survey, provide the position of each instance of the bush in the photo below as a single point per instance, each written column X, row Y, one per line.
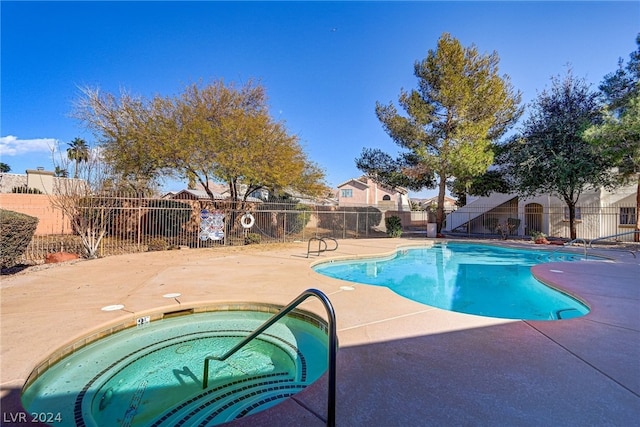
column 539, row 237
column 251, row 238
column 535, row 234
column 158, row 244
column 394, row 226
column 16, row 231
column 25, row 190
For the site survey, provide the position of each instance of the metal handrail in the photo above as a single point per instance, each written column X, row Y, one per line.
column 590, row 244
column 321, row 240
column 579, row 239
column 615, row 235
column 333, row 346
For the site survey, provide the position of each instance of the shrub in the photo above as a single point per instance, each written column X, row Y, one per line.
column 25, row 190
column 158, row 244
column 16, row 231
column 394, row 226
column 537, row 235
column 251, row 238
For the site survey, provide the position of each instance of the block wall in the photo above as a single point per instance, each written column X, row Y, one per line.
column 51, row 220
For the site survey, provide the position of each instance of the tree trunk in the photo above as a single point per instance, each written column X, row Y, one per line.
column 572, row 219
column 442, row 187
column 636, row 236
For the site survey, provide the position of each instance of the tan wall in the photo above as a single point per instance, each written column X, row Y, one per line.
column 10, row 180
column 51, row 220
column 40, row 180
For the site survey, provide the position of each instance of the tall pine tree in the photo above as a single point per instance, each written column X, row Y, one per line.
column 461, row 106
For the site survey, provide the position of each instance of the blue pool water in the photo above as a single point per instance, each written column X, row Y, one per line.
column 479, row 279
column 152, row 375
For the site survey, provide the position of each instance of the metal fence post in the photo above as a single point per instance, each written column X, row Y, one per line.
column 344, row 225
column 284, row 228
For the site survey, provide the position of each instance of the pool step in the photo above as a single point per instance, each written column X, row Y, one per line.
column 230, row 401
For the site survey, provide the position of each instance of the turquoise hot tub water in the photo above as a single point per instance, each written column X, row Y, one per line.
column 151, row 375
column 479, row 279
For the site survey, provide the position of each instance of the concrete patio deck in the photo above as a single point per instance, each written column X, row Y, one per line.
column 400, row 363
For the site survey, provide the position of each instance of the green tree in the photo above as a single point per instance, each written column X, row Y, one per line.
column 78, row 151
column 479, row 185
column 460, row 107
column 215, row 133
column 404, row 171
column 621, row 86
column 127, row 131
column 61, row 172
column 619, row 138
column 550, row 154
column 237, row 142
column 619, row 135
column 4, row 168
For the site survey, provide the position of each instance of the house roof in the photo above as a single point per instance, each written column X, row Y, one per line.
column 197, row 194
column 354, row 180
column 363, row 180
column 202, row 195
column 434, row 199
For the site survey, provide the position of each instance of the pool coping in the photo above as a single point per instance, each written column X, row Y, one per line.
column 378, row 332
column 127, row 322
column 391, row 254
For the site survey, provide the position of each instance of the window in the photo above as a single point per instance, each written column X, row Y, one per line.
column 627, row 216
column 347, row 192
column 566, row 214
column 386, row 197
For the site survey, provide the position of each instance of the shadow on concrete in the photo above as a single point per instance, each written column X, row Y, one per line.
column 520, row 373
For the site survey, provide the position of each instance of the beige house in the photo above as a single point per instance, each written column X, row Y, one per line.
column 33, row 179
column 364, row 191
column 599, row 213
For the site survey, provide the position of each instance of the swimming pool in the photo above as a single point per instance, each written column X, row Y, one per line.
column 152, row 375
column 481, row 279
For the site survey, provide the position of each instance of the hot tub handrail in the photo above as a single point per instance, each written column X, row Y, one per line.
column 332, row 350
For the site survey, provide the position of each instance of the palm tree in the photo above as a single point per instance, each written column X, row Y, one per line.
column 4, row 167
column 62, row 173
column 78, row 151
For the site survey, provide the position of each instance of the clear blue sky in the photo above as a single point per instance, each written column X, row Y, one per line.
column 324, row 64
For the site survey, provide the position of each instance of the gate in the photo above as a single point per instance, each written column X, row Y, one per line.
column 532, row 218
